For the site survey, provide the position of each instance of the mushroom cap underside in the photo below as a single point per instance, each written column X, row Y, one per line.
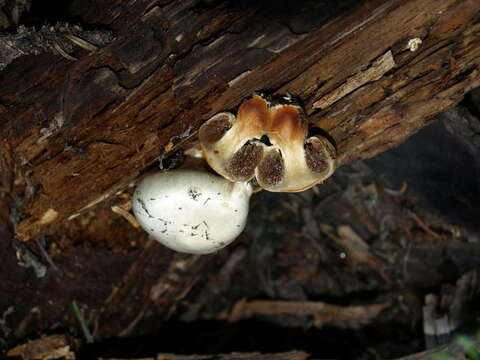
column 287, row 161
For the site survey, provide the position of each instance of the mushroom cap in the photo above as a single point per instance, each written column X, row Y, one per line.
column 289, row 161
column 191, row 211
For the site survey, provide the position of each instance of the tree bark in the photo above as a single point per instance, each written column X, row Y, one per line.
column 75, row 133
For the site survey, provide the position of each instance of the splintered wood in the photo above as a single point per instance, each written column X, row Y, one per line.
column 373, row 73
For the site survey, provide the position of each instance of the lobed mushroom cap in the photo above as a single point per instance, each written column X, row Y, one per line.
column 269, row 143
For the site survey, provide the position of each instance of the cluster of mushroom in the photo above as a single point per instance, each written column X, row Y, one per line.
column 266, row 146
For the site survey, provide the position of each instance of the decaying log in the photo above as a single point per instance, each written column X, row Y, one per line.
column 59, row 40
column 73, row 134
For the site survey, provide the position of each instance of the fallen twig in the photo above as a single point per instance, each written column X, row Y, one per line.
column 352, row 317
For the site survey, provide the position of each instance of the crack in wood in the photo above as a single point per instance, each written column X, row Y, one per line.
column 379, row 67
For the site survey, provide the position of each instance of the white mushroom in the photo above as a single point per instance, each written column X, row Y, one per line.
column 192, row 211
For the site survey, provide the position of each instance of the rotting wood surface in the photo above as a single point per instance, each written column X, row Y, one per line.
column 76, row 133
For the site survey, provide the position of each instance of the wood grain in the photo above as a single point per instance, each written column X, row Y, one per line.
column 74, row 133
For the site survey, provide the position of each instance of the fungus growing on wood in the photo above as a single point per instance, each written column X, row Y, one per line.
column 269, row 142
column 196, row 212
column 191, row 211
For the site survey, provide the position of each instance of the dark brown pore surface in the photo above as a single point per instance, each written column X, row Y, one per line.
column 315, row 157
column 244, row 161
column 215, row 129
column 271, row 169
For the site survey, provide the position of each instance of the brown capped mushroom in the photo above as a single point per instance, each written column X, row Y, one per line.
column 269, row 142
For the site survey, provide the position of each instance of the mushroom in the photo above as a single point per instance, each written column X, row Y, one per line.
column 197, row 212
column 192, row 211
column 268, row 142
